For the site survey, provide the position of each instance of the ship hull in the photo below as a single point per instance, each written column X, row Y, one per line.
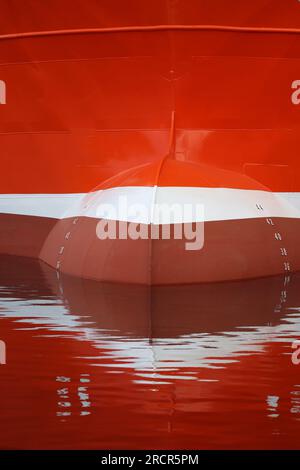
column 234, row 242
column 88, row 101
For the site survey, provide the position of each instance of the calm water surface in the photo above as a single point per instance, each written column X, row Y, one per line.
column 94, row 365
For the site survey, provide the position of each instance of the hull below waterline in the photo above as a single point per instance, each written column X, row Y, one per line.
column 259, row 243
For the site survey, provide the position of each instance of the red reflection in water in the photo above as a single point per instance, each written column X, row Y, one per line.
column 92, row 366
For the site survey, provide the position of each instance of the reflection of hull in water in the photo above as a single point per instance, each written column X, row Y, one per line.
column 203, row 367
column 186, row 326
column 109, row 92
column 167, row 311
column 194, row 320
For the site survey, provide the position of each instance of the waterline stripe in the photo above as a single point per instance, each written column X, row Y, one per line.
column 218, row 203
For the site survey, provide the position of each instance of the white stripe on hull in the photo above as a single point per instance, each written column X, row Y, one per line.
column 40, row 205
column 218, row 203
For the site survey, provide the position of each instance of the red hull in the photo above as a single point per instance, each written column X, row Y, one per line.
column 106, row 88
